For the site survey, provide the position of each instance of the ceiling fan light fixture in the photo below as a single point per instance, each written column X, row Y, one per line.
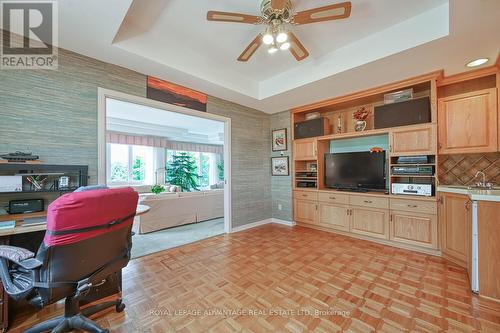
column 282, row 37
column 272, row 49
column 268, row 37
column 285, row 46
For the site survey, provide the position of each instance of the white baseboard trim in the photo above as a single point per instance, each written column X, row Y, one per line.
column 259, row 223
column 284, row 222
column 251, row 225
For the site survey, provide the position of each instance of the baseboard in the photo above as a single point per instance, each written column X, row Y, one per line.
column 251, row 225
column 259, row 223
column 284, row 222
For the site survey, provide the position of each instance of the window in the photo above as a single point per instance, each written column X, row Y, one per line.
column 207, row 166
column 130, row 165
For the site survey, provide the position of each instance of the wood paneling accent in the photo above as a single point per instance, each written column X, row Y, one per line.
column 414, row 140
column 304, row 149
column 384, row 289
column 489, row 249
column 454, row 217
column 369, row 201
column 468, row 123
column 428, row 207
column 414, row 228
column 334, row 216
column 370, row 222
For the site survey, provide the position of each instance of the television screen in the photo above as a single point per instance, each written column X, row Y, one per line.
column 358, row 170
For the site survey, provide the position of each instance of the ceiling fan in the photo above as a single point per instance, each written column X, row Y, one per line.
column 278, row 16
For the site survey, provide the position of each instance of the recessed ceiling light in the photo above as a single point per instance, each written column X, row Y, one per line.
column 477, row 62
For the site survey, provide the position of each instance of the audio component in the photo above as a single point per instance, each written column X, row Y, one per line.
column 413, row 160
column 311, row 128
column 412, row 189
column 426, row 170
column 26, row 206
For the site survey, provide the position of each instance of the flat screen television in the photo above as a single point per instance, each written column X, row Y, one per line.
column 360, row 171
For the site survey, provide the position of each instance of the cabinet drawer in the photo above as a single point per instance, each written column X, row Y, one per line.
column 333, row 198
column 306, row 195
column 368, row 201
column 429, row 207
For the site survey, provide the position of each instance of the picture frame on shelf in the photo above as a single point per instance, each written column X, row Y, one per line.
column 280, row 140
column 280, row 166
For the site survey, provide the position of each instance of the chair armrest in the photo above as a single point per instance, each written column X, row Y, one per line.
column 30, row 264
column 15, row 254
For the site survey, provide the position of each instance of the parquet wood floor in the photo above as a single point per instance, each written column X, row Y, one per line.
column 280, row 279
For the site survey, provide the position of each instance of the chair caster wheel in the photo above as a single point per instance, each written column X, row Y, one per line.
column 120, row 307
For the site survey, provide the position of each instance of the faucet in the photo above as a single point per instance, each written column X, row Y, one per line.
column 484, row 184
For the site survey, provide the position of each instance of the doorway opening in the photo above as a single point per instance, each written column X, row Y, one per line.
column 177, row 159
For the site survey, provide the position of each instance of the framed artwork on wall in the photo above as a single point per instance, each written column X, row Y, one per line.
column 280, row 166
column 279, row 140
column 172, row 93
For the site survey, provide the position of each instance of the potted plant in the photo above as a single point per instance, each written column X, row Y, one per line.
column 157, row 189
column 360, row 116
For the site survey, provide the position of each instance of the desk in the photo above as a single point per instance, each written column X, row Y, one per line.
column 20, row 230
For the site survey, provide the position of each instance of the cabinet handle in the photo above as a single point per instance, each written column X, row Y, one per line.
column 316, row 207
column 390, row 217
column 440, row 145
column 440, row 200
column 368, row 201
column 412, row 206
column 333, row 198
column 304, row 195
column 467, row 206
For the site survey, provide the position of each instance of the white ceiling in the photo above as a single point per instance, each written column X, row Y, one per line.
column 382, row 41
column 143, row 120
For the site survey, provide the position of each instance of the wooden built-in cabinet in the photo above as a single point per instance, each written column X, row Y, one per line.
column 396, row 221
column 455, row 220
column 304, row 149
column 468, row 122
column 489, row 249
column 305, row 207
column 372, row 222
column 413, row 140
column 414, row 228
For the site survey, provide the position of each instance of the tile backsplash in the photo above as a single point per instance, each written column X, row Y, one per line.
column 461, row 169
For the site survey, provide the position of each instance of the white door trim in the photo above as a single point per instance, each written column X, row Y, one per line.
column 101, row 138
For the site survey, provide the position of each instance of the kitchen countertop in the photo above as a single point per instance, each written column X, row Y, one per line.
column 474, row 194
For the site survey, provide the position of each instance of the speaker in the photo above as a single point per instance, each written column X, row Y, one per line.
column 26, row 206
column 311, row 128
column 415, row 111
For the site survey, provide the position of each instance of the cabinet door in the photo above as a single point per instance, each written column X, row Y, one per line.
column 306, row 211
column 414, row 228
column 334, row 216
column 488, row 233
column 454, row 211
column 370, row 222
column 415, row 140
column 467, row 123
column 304, row 149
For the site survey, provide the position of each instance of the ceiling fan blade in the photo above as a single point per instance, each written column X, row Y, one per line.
column 232, row 17
column 278, row 4
column 298, row 50
column 251, row 48
column 326, row 13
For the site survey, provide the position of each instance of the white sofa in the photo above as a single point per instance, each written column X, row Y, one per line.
column 175, row 209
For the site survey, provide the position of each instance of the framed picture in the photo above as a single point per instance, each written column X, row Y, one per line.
column 172, row 93
column 280, row 166
column 279, row 140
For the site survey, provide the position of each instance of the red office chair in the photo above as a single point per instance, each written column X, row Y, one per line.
column 87, row 242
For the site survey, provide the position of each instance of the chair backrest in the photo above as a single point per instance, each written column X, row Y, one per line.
column 86, row 231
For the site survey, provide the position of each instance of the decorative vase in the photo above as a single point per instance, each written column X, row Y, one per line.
column 360, row 126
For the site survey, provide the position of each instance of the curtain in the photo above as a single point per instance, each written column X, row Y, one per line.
column 159, row 142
